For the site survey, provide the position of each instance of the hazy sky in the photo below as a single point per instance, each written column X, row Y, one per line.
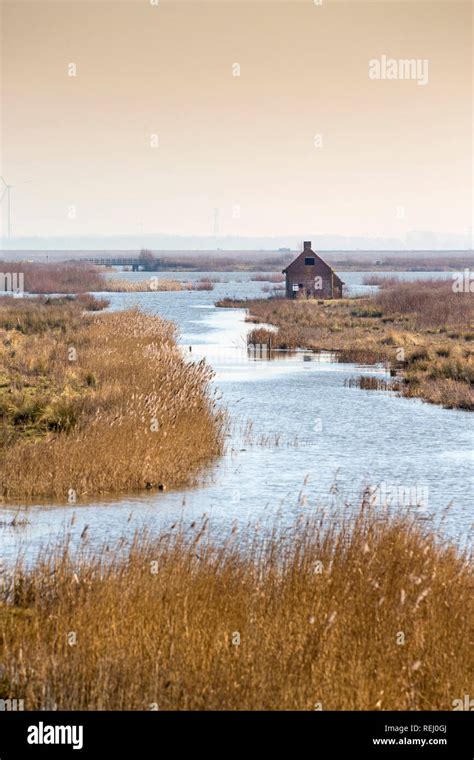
column 392, row 155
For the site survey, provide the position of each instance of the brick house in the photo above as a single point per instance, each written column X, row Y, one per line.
column 309, row 276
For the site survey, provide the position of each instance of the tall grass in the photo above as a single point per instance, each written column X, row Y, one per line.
column 428, row 303
column 140, row 286
column 153, row 284
column 423, row 330
column 201, row 261
column 98, row 404
column 276, row 277
column 203, row 284
column 61, row 277
column 373, row 613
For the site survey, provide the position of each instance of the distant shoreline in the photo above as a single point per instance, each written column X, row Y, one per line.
column 266, row 260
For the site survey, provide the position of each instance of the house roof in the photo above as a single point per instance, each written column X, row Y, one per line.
column 309, row 252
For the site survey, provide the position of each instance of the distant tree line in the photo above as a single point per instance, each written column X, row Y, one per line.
column 148, row 261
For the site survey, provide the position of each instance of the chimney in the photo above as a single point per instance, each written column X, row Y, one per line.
column 307, row 245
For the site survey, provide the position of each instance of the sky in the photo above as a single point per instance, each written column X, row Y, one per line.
column 236, row 118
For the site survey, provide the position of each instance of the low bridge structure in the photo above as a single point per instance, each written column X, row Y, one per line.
column 109, row 261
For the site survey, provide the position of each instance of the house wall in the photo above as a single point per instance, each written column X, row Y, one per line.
column 303, row 274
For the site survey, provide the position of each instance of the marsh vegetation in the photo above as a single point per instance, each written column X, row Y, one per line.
column 95, row 404
column 371, row 612
column 422, row 330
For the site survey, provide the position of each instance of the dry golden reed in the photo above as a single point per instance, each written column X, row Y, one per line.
column 422, row 329
column 373, row 613
column 98, row 404
column 153, row 284
column 60, row 277
column 140, row 286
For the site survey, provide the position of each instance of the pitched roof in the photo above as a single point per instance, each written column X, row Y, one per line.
column 309, row 252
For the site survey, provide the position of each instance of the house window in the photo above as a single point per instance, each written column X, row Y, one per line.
column 309, row 261
column 294, row 287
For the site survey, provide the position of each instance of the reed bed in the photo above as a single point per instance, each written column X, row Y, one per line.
column 429, row 304
column 212, row 261
column 260, row 336
column 414, row 262
column 68, row 278
column 90, row 302
column 335, row 613
column 380, row 280
column 154, row 284
column 422, row 330
column 98, row 404
column 140, row 286
column 62, row 277
column 203, row 284
column 275, row 277
column 373, row 383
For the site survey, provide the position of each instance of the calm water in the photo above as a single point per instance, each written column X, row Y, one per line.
column 299, row 437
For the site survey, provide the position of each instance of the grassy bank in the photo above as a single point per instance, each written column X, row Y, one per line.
column 68, row 278
column 375, row 614
column 153, row 284
column 422, row 330
column 97, row 404
column 63, row 277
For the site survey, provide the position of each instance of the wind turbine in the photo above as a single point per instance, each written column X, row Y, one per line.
column 6, row 192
